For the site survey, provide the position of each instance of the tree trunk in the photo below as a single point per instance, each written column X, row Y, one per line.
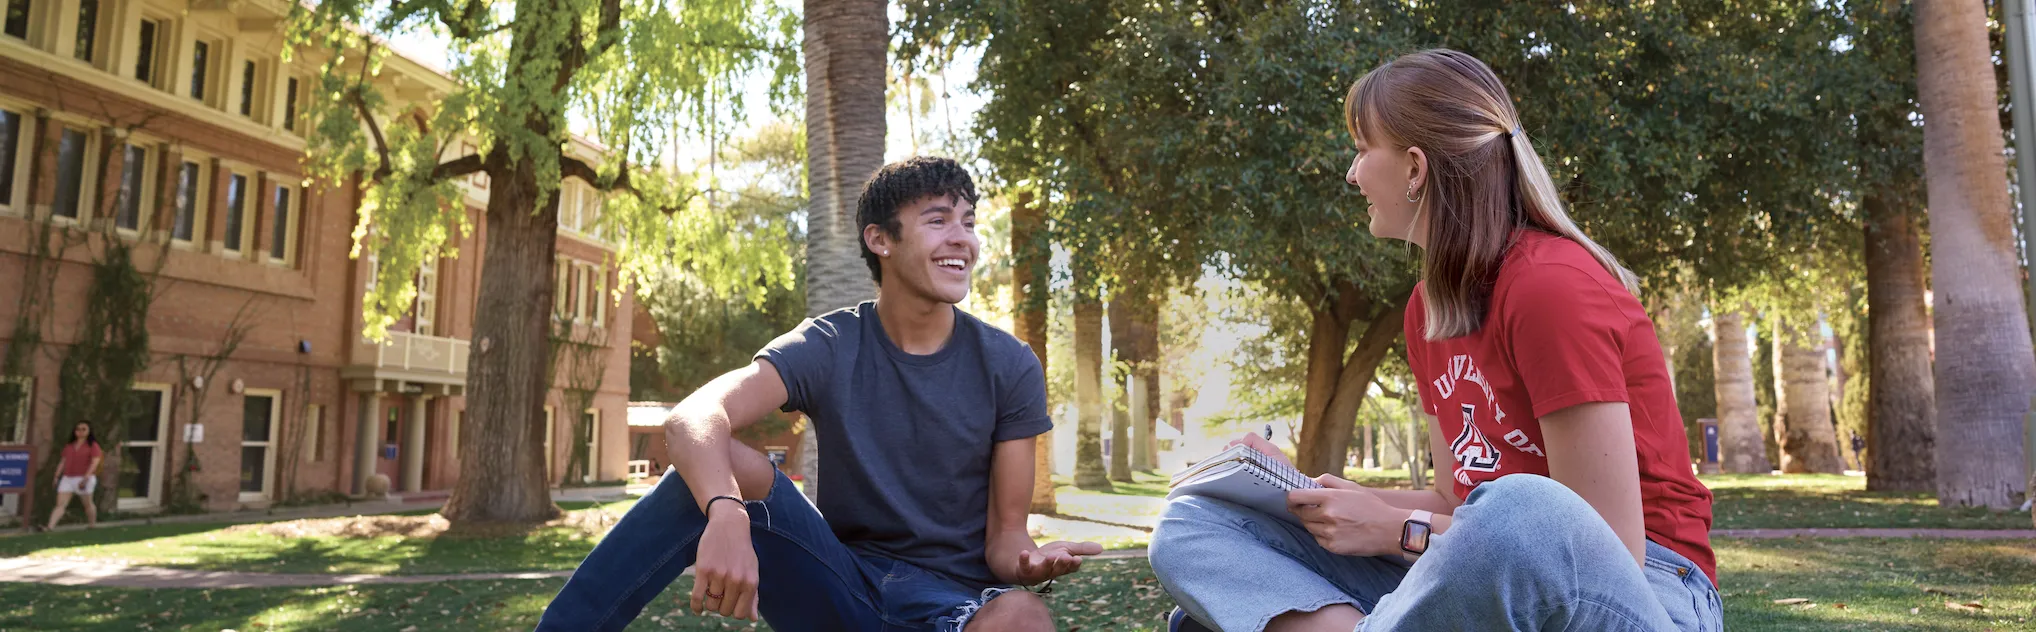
column 1417, row 444
column 1803, row 403
column 1901, row 417
column 845, row 46
column 1089, row 473
column 502, row 473
column 1147, row 333
column 1984, row 364
column 1122, row 355
column 1743, row 449
column 1029, row 294
column 1325, row 435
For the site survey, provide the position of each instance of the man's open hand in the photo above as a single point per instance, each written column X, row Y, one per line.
column 1053, row 560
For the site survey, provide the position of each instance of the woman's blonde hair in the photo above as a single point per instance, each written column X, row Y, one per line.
column 1484, row 181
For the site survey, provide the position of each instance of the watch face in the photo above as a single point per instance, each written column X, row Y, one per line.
column 1414, row 537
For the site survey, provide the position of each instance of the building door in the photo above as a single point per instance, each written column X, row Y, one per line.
column 142, row 458
column 260, row 410
column 389, row 455
column 17, row 399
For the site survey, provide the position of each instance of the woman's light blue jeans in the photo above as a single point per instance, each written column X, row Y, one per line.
column 1522, row 553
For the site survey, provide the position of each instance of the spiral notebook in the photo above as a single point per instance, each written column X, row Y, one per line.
column 1246, row 477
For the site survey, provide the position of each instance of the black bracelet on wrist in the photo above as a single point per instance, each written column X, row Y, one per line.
column 711, row 501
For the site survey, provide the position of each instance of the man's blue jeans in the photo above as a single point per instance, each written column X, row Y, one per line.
column 807, row 579
column 1522, row 553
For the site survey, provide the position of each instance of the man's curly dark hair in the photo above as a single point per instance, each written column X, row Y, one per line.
column 901, row 183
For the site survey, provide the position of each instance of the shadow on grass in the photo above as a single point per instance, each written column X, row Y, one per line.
column 1087, row 519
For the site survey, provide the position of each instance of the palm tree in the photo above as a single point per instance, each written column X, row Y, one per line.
column 1028, row 294
column 1123, row 353
column 1802, row 411
column 1089, row 473
column 1984, row 365
column 846, row 43
column 1739, row 439
column 1902, row 406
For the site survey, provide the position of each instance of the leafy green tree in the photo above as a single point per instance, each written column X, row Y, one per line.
column 634, row 71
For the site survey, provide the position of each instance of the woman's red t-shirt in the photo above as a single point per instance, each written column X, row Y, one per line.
column 78, row 458
column 1560, row 331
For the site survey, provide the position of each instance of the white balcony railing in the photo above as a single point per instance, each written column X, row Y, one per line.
column 413, row 352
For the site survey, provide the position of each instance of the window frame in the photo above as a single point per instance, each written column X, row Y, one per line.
column 230, row 247
column 202, row 84
column 269, row 447
column 593, row 446
column 161, row 55
column 286, row 207
column 145, row 195
column 27, row 24
column 25, row 410
column 159, row 462
column 87, row 195
column 201, row 201
column 16, row 201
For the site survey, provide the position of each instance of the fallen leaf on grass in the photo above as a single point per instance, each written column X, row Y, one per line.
column 1964, row 607
column 1790, row 601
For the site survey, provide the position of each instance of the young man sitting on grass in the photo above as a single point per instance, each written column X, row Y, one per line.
column 926, row 418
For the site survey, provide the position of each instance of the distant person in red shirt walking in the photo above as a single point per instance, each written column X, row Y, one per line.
column 78, row 474
column 1574, row 505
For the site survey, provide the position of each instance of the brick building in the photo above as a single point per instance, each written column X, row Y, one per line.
column 176, row 125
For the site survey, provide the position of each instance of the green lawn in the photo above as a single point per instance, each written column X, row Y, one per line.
column 215, row 547
column 1760, row 501
column 1854, row 584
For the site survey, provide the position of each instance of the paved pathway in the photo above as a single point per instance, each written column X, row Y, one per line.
column 354, row 508
column 63, row 572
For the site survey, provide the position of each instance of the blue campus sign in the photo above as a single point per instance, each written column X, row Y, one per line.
column 14, row 468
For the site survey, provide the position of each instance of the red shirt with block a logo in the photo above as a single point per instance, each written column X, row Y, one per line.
column 1560, row 331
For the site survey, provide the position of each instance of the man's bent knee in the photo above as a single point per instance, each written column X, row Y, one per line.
column 1014, row 611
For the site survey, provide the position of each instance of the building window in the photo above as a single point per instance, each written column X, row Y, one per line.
column 201, row 63
column 458, row 416
column 600, row 295
column 141, row 468
column 17, row 18
column 11, row 133
column 88, row 30
column 128, row 207
column 561, row 288
column 257, row 429
column 583, row 274
column 70, row 174
column 247, row 88
column 280, row 248
column 290, row 104
column 16, row 402
column 189, row 177
column 426, row 310
column 236, row 201
column 592, row 417
column 149, row 51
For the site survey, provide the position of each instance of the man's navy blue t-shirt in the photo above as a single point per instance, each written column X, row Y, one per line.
column 905, row 439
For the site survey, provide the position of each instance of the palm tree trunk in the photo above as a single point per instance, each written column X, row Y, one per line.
column 1984, row 365
column 1744, row 451
column 1028, row 295
column 1803, row 403
column 1089, row 472
column 1124, row 353
column 1901, row 417
column 845, row 46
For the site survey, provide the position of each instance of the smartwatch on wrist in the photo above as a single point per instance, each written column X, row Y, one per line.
column 1414, row 534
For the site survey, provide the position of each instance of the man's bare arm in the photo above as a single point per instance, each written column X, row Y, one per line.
column 698, row 429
